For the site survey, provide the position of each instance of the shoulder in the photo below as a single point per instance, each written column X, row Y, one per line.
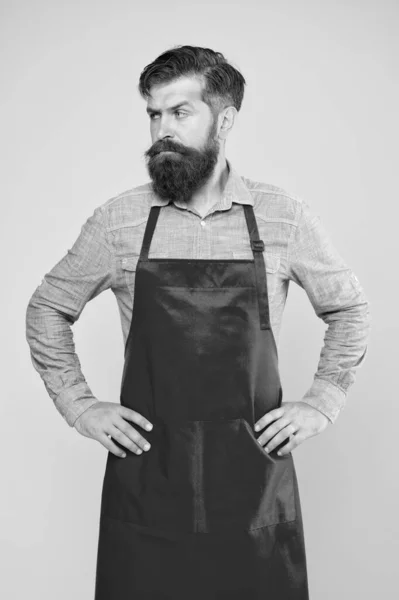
column 128, row 208
column 274, row 203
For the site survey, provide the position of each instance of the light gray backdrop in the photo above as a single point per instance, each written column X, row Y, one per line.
column 320, row 118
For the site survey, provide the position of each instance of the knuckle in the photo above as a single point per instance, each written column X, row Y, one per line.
column 124, row 426
column 132, row 446
column 143, row 442
column 140, row 441
column 124, row 412
column 133, row 434
column 110, row 410
column 133, row 414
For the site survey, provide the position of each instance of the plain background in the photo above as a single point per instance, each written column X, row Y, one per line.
column 320, row 119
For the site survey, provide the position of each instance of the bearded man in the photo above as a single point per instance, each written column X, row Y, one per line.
column 200, row 498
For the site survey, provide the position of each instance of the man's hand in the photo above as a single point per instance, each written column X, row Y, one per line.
column 104, row 420
column 296, row 420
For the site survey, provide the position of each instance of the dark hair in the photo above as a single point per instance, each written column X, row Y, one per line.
column 224, row 85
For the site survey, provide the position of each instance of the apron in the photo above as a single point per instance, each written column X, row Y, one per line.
column 206, row 513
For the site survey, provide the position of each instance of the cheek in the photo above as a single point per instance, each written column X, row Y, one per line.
column 193, row 139
column 192, row 132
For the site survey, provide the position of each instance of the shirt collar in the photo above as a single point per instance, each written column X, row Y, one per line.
column 235, row 190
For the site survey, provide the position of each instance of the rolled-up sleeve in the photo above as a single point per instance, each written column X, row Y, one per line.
column 339, row 300
column 56, row 304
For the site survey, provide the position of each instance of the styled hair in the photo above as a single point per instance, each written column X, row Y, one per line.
column 224, row 84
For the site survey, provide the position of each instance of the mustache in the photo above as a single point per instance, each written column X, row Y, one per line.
column 164, row 146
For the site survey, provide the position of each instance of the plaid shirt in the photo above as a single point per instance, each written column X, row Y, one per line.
column 106, row 252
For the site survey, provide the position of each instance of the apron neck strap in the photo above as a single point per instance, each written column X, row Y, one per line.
column 149, row 230
column 258, row 247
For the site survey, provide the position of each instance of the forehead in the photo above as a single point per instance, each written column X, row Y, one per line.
column 180, row 90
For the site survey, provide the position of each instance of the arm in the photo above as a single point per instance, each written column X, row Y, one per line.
column 83, row 273
column 338, row 298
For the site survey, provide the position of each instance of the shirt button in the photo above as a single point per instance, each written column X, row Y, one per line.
column 203, row 223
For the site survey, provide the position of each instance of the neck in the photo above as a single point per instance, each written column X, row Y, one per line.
column 210, row 193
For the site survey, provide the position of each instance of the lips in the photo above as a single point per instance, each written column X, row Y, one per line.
column 153, row 152
column 167, row 152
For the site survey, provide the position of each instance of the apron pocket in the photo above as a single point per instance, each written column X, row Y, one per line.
column 239, row 485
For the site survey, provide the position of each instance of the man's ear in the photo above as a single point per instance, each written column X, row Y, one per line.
column 226, row 121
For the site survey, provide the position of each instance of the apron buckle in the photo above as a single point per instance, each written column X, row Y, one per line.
column 258, row 245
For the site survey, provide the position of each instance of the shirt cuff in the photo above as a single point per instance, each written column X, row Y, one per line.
column 326, row 397
column 74, row 400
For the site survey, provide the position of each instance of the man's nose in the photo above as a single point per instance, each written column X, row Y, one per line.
column 165, row 129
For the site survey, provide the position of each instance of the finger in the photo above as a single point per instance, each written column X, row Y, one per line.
column 294, row 442
column 278, row 439
column 272, row 415
column 132, row 434
column 273, row 430
column 132, row 415
column 132, row 441
column 109, row 445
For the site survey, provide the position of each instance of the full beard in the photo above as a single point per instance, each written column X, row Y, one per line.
column 176, row 176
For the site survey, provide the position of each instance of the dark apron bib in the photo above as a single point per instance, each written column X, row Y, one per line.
column 206, row 513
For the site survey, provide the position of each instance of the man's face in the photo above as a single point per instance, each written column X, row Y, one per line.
column 185, row 146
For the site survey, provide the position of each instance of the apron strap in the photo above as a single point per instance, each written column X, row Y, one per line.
column 149, row 230
column 258, row 247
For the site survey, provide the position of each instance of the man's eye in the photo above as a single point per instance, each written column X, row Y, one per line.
column 180, row 113
column 153, row 116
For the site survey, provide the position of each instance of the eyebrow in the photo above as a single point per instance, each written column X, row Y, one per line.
column 152, row 111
